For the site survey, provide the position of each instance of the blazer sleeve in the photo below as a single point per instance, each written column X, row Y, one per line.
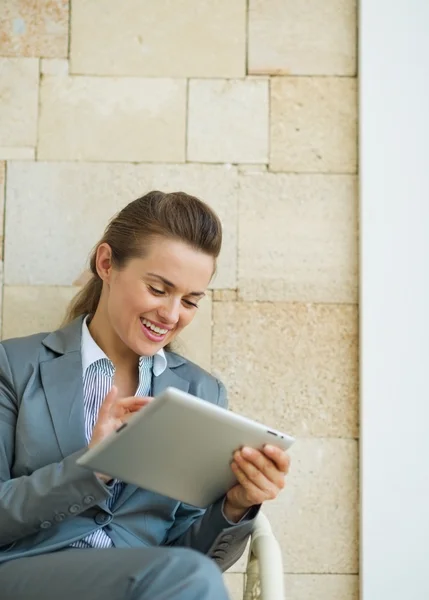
column 31, row 503
column 209, row 531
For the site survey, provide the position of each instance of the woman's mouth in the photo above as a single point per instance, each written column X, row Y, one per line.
column 153, row 332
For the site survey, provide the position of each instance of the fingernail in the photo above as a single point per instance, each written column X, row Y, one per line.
column 269, row 448
column 247, row 451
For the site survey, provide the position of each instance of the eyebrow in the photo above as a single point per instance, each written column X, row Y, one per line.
column 171, row 285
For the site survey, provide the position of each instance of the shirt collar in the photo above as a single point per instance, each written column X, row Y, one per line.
column 91, row 352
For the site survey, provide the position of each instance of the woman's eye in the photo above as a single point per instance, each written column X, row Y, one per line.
column 155, row 291
column 191, row 304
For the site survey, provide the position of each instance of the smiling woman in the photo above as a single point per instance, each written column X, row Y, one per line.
column 152, row 265
column 166, row 242
column 80, row 384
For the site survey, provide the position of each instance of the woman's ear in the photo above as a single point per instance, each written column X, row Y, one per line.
column 103, row 262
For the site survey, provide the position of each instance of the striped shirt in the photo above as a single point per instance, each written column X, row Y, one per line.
column 98, row 373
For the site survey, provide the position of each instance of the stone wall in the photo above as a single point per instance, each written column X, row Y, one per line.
column 251, row 106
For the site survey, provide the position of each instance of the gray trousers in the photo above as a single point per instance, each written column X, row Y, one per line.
column 113, row 574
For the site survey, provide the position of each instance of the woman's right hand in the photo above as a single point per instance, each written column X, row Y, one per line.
column 113, row 413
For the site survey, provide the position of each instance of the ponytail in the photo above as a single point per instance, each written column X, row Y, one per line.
column 86, row 300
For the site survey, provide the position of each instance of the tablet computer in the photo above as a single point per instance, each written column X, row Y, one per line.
column 180, row 446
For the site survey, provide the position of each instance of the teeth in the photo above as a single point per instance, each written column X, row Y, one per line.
column 157, row 330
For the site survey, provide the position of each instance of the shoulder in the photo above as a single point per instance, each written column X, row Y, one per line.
column 19, row 356
column 23, row 348
column 201, row 382
column 42, row 346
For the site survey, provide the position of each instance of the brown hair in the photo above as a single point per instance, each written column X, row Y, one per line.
column 176, row 215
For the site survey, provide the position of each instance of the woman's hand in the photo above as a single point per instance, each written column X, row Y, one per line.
column 113, row 413
column 260, row 475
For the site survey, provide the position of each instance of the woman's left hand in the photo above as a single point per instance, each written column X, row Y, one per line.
column 260, row 475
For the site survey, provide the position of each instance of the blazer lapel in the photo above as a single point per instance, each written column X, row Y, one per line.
column 167, row 379
column 63, row 386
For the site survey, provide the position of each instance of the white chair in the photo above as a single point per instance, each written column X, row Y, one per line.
column 264, row 572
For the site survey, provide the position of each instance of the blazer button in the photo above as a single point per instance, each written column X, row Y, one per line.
column 102, row 518
column 59, row 517
column 74, row 508
column 45, row 525
column 88, row 500
column 223, row 545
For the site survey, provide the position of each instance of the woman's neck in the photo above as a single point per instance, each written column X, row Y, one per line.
column 105, row 337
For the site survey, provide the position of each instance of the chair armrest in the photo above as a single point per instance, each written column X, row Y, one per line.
column 264, row 572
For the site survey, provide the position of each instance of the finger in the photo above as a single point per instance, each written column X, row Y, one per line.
column 254, row 494
column 127, row 417
column 131, row 410
column 133, row 402
column 264, row 465
column 130, row 407
column 270, row 484
column 109, row 400
column 278, row 456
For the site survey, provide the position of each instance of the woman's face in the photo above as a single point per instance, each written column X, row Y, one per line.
column 152, row 299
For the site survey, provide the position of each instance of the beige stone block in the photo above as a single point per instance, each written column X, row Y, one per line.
column 225, row 296
column 34, row 28
column 302, row 38
column 112, row 119
column 54, row 66
column 322, row 587
column 316, row 517
column 2, row 186
column 19, row 80
column 234, row 583
column 80, row 198
column 292, row 366
column 228, row 121
column 159, row 39
column 18, row 153
column 195, row 342
column 250, row 168
column 298, row 238
column 313, row 124
column 31, row 309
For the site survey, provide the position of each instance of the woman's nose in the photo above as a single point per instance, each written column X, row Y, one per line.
column 169, row 312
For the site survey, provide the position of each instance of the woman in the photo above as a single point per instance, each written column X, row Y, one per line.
column 66, row 532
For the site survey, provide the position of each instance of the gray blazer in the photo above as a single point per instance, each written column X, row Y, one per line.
column 46, row 500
